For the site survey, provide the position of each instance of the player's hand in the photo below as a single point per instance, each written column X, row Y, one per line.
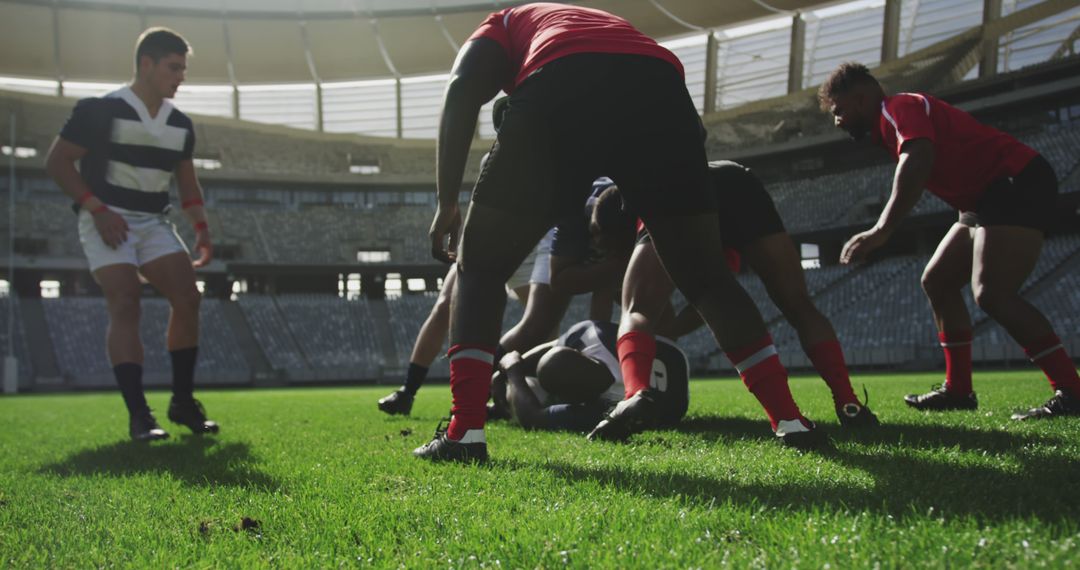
column 204, row 247
column 446, row 225
column 510, row 360
column 861, row 244
column 112, row 227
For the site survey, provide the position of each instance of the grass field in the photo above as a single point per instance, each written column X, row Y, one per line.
column 324, row 480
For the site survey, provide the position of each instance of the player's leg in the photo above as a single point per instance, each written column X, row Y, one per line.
column 774, row 259
column 493, row 244
column 426, row 348
column 1004, row 257
column 122, row 289
column 943, row 281
column 174, row 277
column 646, row 296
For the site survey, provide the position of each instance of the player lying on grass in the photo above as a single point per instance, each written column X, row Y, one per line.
column 570, row 383
column 751, row 230
column 560, row 64
column 128, row 145
column 1005, row 193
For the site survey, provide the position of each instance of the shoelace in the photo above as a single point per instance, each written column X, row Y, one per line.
column 865, row 397
column 441, row 429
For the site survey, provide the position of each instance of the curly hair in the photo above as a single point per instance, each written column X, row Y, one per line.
column 845, row 77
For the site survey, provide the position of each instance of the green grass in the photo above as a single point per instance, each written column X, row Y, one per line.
column 330, row 482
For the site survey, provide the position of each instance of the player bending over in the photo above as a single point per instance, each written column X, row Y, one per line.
column 128, row 145
column 561, row 65
column 570, row 383
column 751, row 229
column 1005, row 193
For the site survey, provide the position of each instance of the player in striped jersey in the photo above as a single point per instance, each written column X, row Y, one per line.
column 128, row 145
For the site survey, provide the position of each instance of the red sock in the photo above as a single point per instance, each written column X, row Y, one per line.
column 470, row 383
column 759, row 366
column 637, row 350
column 1049, row 355
column 828, row 359
column 957, row 347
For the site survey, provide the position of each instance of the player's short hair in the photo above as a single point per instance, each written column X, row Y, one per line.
column 610, row 217
column 571, row 376
column 842, row 80
column 158, row 42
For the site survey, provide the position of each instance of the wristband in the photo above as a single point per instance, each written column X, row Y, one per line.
column 99, row 209
column 85, row 196
column 200, row 226
column 191, row 203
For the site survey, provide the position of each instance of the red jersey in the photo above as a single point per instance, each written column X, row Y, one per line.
column 968, row 155
column 534, row 35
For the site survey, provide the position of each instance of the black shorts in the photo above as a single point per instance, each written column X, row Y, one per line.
column 747, row 212
column 1027, row 199
column 588, row 115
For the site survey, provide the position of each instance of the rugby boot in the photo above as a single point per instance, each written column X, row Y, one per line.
column 1062, row 404
column 801, row 433
column 632, row 415
column 144, row 427
column 471, row 449
column 939, row 399
column 399, row 402
column 190, row 413
column 856, row 416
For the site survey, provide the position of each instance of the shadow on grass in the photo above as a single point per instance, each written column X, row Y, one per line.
column 914, row 471
column 195, row 460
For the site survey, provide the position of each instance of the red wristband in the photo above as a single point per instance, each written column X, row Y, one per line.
column 200, row 226
column 85, row 196
column 99, row 209
column 191, row 203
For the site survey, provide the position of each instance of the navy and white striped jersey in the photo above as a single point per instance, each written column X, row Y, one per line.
column 130, row 155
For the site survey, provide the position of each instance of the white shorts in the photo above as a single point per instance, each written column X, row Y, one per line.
column 537, row 266
column 149, row 237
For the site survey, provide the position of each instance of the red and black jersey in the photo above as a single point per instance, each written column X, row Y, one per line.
column 536, row 34
column 968, row 155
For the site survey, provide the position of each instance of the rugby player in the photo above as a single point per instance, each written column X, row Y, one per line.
column 128, row 145
column 751, row 230
column 589, row 96
column 1005, row 193
column 570, row 383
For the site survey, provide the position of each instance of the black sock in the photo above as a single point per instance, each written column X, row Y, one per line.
column 414, row 378
column 183, row 366
column 129, row 378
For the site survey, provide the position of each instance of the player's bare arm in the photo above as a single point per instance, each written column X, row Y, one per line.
column 191, row 200
column 527, row 409
column 474, row 80
column 60, row 166
column 912, row 171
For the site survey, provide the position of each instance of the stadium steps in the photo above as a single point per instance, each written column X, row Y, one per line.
column 380, row 315
column 43, row 357
column 261, row 370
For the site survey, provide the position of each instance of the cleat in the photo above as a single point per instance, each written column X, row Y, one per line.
column 497, row 412
column 190, row 413
column 633, row 415
column 801, row 433
column 398, row 402
column 939, row 399
column 856, row 416
column 1062, row 404
column 472, row 447
column 144, row 427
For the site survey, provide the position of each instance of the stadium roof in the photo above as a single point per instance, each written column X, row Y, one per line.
column 280, row 41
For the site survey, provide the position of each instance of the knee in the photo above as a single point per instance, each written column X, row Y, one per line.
column 934, row 284
column 187, row 301
column 124, row 309
column 991, row 298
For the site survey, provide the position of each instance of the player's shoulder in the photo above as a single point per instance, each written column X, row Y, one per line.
column 178, row 118
column 904, row 102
